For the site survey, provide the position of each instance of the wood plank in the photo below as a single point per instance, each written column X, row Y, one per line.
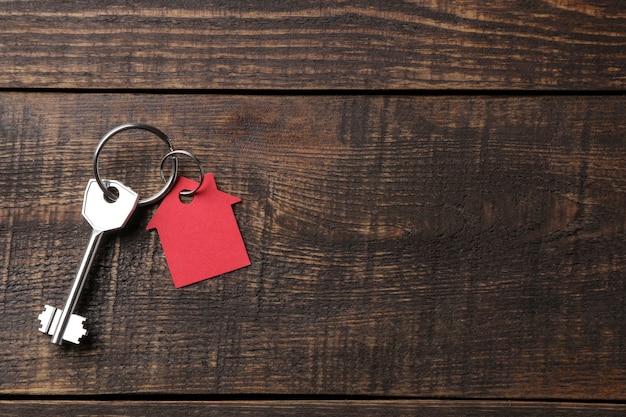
column 343, row 408
column 368, row 44
column 405, row 246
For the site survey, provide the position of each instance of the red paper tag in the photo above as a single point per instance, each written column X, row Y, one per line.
column 201, row 239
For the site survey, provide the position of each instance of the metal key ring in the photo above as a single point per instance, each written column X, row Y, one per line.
column 190, row 155
column 168, row 184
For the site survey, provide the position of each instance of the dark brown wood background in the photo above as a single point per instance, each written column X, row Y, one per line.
column 434, row 203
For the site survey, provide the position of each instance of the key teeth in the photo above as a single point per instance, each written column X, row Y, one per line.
column 46, row 318
column 75, row 330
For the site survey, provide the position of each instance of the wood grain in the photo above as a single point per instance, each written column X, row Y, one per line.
column 468, row 247
column 389, row 408
column 287, row 45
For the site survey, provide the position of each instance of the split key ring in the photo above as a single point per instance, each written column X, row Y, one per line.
column 168, row 184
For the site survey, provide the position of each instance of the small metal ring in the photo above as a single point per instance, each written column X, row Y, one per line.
column 190, row 155
column 168, row 184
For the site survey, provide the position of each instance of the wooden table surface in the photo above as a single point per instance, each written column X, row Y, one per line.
column 433, row 202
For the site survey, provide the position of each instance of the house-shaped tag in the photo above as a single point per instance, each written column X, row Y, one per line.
column 201, row 238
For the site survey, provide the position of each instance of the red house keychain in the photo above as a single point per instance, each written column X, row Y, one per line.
column 201, row 238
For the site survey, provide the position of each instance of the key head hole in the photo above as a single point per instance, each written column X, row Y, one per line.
column 113, row 191
column 185, row 198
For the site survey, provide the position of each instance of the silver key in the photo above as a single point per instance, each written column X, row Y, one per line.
column 103, row 216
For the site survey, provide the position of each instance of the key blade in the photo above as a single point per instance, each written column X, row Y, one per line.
column 104, row 215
